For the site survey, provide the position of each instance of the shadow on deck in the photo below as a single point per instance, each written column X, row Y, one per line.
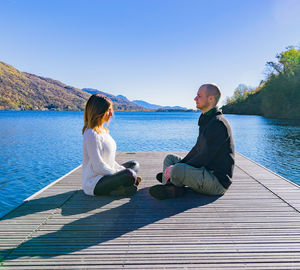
column 252, row 226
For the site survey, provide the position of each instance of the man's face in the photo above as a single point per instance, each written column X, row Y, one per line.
column 201, row 99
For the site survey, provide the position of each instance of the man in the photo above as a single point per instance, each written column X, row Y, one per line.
column 208, row 167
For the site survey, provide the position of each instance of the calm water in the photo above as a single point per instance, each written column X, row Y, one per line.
column 38, row 147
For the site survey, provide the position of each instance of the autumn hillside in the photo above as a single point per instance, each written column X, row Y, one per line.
column 24, row 91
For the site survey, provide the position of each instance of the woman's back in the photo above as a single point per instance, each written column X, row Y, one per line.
column 99, row 152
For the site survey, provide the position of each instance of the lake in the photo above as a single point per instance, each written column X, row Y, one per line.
column 39, row 147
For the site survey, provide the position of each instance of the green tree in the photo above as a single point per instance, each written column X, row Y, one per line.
column 278, row 96
column 240, row 93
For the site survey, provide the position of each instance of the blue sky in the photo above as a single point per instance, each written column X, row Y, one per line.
column 158, row 51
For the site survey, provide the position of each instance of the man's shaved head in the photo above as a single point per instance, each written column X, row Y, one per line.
column 212, row 90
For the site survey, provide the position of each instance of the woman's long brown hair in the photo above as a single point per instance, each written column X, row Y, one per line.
column 95, row 109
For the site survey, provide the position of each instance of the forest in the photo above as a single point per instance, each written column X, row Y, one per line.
column 278, row 96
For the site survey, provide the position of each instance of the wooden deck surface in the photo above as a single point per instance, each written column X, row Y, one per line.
column 255, row 225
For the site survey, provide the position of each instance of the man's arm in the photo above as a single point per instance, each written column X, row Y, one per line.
column 189, row 155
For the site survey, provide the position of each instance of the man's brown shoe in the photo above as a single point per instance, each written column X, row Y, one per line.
column 168, row 191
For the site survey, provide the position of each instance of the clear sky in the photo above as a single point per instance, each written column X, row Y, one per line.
column 160, row 51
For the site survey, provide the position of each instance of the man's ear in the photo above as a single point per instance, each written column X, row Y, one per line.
column 211, row 99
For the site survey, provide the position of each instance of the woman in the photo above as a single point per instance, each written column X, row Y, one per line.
column 101, row 174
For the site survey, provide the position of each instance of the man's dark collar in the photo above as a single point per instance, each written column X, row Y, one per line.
column 205, row 117
column 210, row 112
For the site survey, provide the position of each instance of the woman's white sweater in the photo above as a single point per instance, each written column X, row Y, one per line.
column 99, row 152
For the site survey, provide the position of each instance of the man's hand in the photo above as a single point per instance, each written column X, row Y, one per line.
column 167, row 173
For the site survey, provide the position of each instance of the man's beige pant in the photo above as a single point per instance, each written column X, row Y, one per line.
column 199, row 179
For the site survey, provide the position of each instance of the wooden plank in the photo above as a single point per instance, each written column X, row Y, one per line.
column 255, row 225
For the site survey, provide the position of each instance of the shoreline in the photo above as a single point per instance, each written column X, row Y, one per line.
column 161, row 111
column 191, row 110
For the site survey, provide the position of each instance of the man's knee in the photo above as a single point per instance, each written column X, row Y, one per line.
column 168, row 160
column 168, row 157
column 171, row 159
column 177, row 173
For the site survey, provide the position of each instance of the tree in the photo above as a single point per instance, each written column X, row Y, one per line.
column 287, row 61
column 290, row 60
column 276, row 97
column 240, row 93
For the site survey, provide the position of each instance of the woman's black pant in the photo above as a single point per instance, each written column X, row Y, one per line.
column 124, row 178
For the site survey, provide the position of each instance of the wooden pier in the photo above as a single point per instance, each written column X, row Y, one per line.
column 255, row 225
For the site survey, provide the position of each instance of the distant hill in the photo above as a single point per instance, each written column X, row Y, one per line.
column 121, row 96
column 137, row 105
column 24, row 91
column 157, row 107
column 121, row 103
column 146, row 104
column 174, row 108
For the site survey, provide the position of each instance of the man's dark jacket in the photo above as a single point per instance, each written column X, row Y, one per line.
column 214, row 149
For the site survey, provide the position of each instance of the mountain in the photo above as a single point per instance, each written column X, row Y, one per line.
column 121, row 96
column 121, row 103
column 146, row 104
column 136, row 105
column 25, row 91
column 174, row 108
column 156, row 107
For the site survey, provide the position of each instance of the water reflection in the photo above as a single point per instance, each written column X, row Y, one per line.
column 271, row 142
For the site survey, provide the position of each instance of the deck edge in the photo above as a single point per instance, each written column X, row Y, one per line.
column 262, row 166
column 51, row 184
